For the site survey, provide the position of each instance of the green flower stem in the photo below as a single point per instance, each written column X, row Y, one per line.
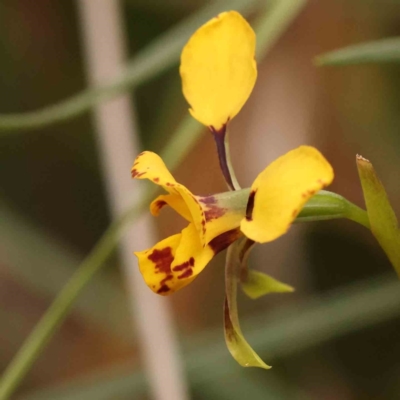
column 328, row 205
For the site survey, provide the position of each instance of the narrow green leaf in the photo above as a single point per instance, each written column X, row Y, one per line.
column 259, row 284
column 384, row 225
column 380, row 51
column 237, row 345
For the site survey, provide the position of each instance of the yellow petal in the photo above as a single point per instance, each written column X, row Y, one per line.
column 155, row 264
column 174, row 262
column 174, row 201
column 281, row 190
column 149, row 165
column 218, row 69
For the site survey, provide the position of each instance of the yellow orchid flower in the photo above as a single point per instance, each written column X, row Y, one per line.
column 262, row 214
column 218, row 73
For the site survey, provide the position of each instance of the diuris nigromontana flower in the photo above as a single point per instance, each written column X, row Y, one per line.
column 265, row 213
column 218, row 71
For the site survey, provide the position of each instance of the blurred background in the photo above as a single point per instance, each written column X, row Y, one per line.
column 335, row 338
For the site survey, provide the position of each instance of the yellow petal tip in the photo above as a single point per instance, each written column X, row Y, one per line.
column 218, row 69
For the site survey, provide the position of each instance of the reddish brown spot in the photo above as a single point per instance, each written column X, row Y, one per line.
column 156, row 179
column 163, row 289
column 250, row 205
column 170, row 184
column 222, row 241
column 136, row 174
column 308, row 193
column 294, row 212
column 185, row 265
column 160, row 204
column 186, row 274
column 162, row 259
column 213, row 211
column 208, row 200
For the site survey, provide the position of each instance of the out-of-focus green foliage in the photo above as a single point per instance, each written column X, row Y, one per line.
column 380, row 51
column 283, row 333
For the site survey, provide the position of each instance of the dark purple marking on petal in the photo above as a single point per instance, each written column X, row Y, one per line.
column 163, row 289
column 136, row 174
column 222, row 241
column 188, row 273
column 160, row 204
column 212, row 210
column 162, row 259
column 209, row 200
column 185, row 265
column 250, row 205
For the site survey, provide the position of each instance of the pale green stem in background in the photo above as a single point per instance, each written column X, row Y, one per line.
column 160, row 55
column 175, row 152
column 104, row 45
column 273, row 23
column 379, row 51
